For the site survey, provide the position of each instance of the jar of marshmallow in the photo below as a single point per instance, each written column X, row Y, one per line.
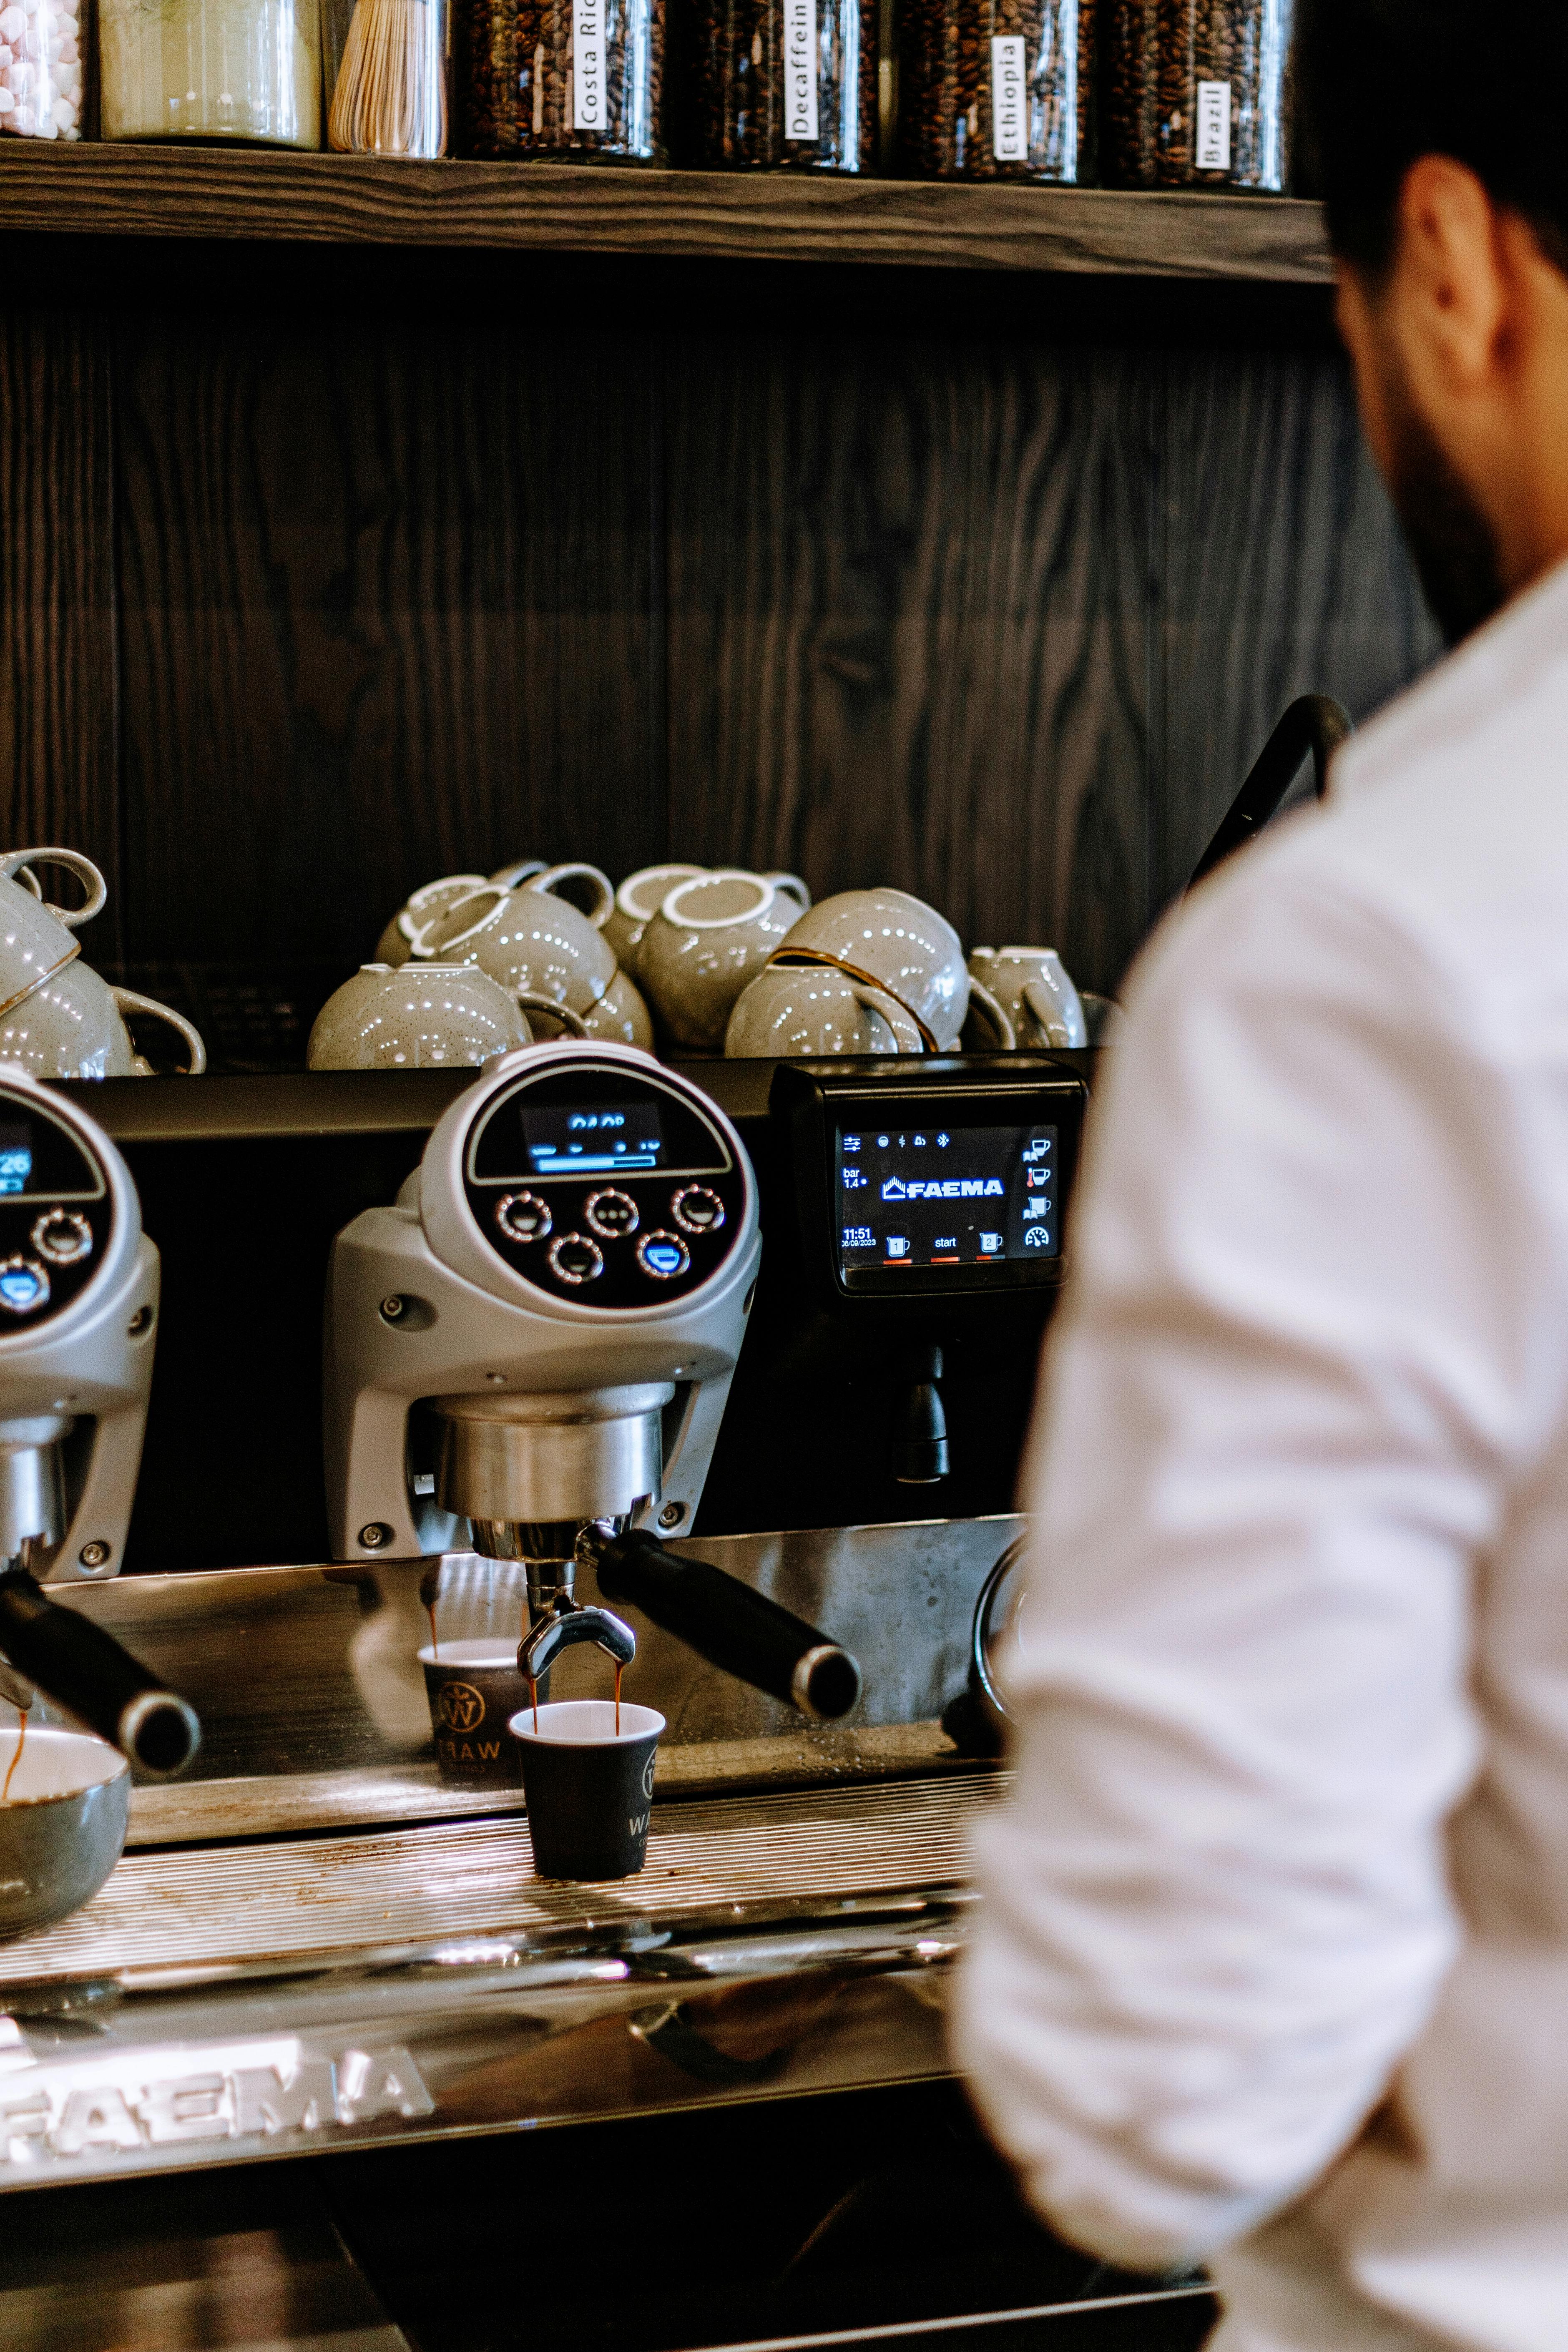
column 40, row 68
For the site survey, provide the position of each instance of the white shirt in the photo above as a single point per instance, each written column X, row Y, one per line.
column 1287, row 1848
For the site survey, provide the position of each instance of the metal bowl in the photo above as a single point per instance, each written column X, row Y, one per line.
column 63, row 1827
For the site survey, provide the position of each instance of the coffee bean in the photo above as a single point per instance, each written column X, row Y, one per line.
column 516, row 74
column 997, row 89
column 759, row 68
column 1162, row 128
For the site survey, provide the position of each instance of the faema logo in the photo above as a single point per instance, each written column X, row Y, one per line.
column 93, row 2114
column 954, row 1188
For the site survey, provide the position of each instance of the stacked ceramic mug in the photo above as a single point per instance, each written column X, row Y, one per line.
column 57, row 1017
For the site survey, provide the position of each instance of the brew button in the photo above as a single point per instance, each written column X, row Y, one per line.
column 576, row 1259
column 63, row 1237
column 611, row 1215
column 696, row 1210
column 663, row 1256
column 522, row 1217
column 24, row 1285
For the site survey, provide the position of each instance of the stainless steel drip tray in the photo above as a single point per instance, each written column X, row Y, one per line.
column 227, row 2003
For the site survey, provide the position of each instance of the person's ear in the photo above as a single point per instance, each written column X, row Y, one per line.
column 1448, row 299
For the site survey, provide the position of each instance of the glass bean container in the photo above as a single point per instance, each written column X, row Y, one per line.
column 785, row 85
column 1196, row 94
column 245, row 70
column 997, row 89
column 385, row 67
column 560, row 80
column 40, row 68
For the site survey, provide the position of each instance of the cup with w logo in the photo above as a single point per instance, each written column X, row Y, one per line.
column 475, row 1688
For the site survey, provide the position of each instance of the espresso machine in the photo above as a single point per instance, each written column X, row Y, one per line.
column 531, row 1351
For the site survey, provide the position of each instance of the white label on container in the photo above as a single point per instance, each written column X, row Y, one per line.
column 588, row 65
column 800, row 69
column 1214, row 126
column 1009, row 128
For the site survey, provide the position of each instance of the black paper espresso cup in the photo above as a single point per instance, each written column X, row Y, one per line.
column 474, row 1689
column 588, row 1788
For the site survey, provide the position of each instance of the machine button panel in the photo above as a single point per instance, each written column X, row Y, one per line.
column 611, row 1215
column 663, row 1255
column 576, row 1259
column 697, row 1209
column 523, row 1217
column 24, row 1285
column 63, row 1236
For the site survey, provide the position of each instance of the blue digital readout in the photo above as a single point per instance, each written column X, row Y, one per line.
column 593, row 1142
column 15, row 1166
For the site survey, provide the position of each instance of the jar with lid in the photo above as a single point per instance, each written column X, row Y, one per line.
column 40, row 68
column 561, row 82
column 784, row 85
column 997, row 89
column 1196, row 94
column 248, row 71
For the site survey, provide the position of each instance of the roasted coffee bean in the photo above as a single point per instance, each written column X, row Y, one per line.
column 546, row 79
column 784, row 85
column 997, row 89
column 1196, row 93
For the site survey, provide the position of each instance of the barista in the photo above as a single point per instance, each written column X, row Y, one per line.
column 1274, row 1966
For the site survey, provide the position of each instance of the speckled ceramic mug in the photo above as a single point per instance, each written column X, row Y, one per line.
column 711, row 935
column 540, row 949
column 422, row 1016
column 395, row 944
column 36, row 937
column 894, row 941
column 790, row 1011
column 1033, row 989
column 638, row 901
column 71, row 1025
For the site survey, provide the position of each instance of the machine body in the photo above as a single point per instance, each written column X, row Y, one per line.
column 542, row 1332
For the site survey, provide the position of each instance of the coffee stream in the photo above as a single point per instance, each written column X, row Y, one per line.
column 21, row 1743
column 430, row 1613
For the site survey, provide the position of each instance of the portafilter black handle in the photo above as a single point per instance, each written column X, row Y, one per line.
column 76, row 1662
column 1314, row 723
column 735, row 1628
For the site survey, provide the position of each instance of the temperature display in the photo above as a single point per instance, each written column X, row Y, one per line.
column 923, row 1196
column 592, row 1140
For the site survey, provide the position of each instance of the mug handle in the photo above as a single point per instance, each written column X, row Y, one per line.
column 73, row 861
column 603, row 890
column 906, row 1036
column 572, row 1023
column 519, row 872
column 986, row 1005
column 128, row 1001
column 1046, row 1014
column 792, row 887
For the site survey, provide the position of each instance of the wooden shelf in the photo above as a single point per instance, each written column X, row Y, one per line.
column 218, row 192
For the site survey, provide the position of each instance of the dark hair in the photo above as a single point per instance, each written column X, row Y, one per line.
column 1382, row 82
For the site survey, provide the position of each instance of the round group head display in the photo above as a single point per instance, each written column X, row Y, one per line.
column 603, row 1181
column 59, row 1216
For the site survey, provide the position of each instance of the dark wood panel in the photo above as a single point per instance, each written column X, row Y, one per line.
column 908, row 626
column 386, row 598
column 1283, row 574
column 57, row 594
column 151, row 191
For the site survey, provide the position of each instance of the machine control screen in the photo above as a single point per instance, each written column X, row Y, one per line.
column 913, row 1195
column 605, row 1187
column 55, row 1216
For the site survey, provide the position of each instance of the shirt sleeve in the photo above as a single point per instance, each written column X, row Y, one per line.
column 1313, row 1337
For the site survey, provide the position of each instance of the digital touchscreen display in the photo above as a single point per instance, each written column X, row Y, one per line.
column 592, row 1139
column 15, row 1159
column 931, row 1195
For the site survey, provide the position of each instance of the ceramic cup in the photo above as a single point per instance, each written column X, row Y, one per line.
column 638, row 901
column 71, row 1026
column 474, row 1689
column 542, row 951
column 521, row 870
column 792, row 887
column 893, row 942
column 1035, row 992
column 713, row 934
column 588, row 1786
column 396, row 942
column 622, row 1015
column 586, row 887
column 37, row 938
column 424, row 1017
column 807, row 1008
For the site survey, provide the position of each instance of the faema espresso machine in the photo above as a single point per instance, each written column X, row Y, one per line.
column 531, row 1352
column 79, row 1304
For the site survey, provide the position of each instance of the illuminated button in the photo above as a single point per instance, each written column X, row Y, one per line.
column 611, row 1215
column 522, row 1217
column 574, row 1258
column 663, row 1255
column 696, row 1210
column 24, row 1285
column 63, row 1237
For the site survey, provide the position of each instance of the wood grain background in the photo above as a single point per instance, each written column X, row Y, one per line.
column 319, row 579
